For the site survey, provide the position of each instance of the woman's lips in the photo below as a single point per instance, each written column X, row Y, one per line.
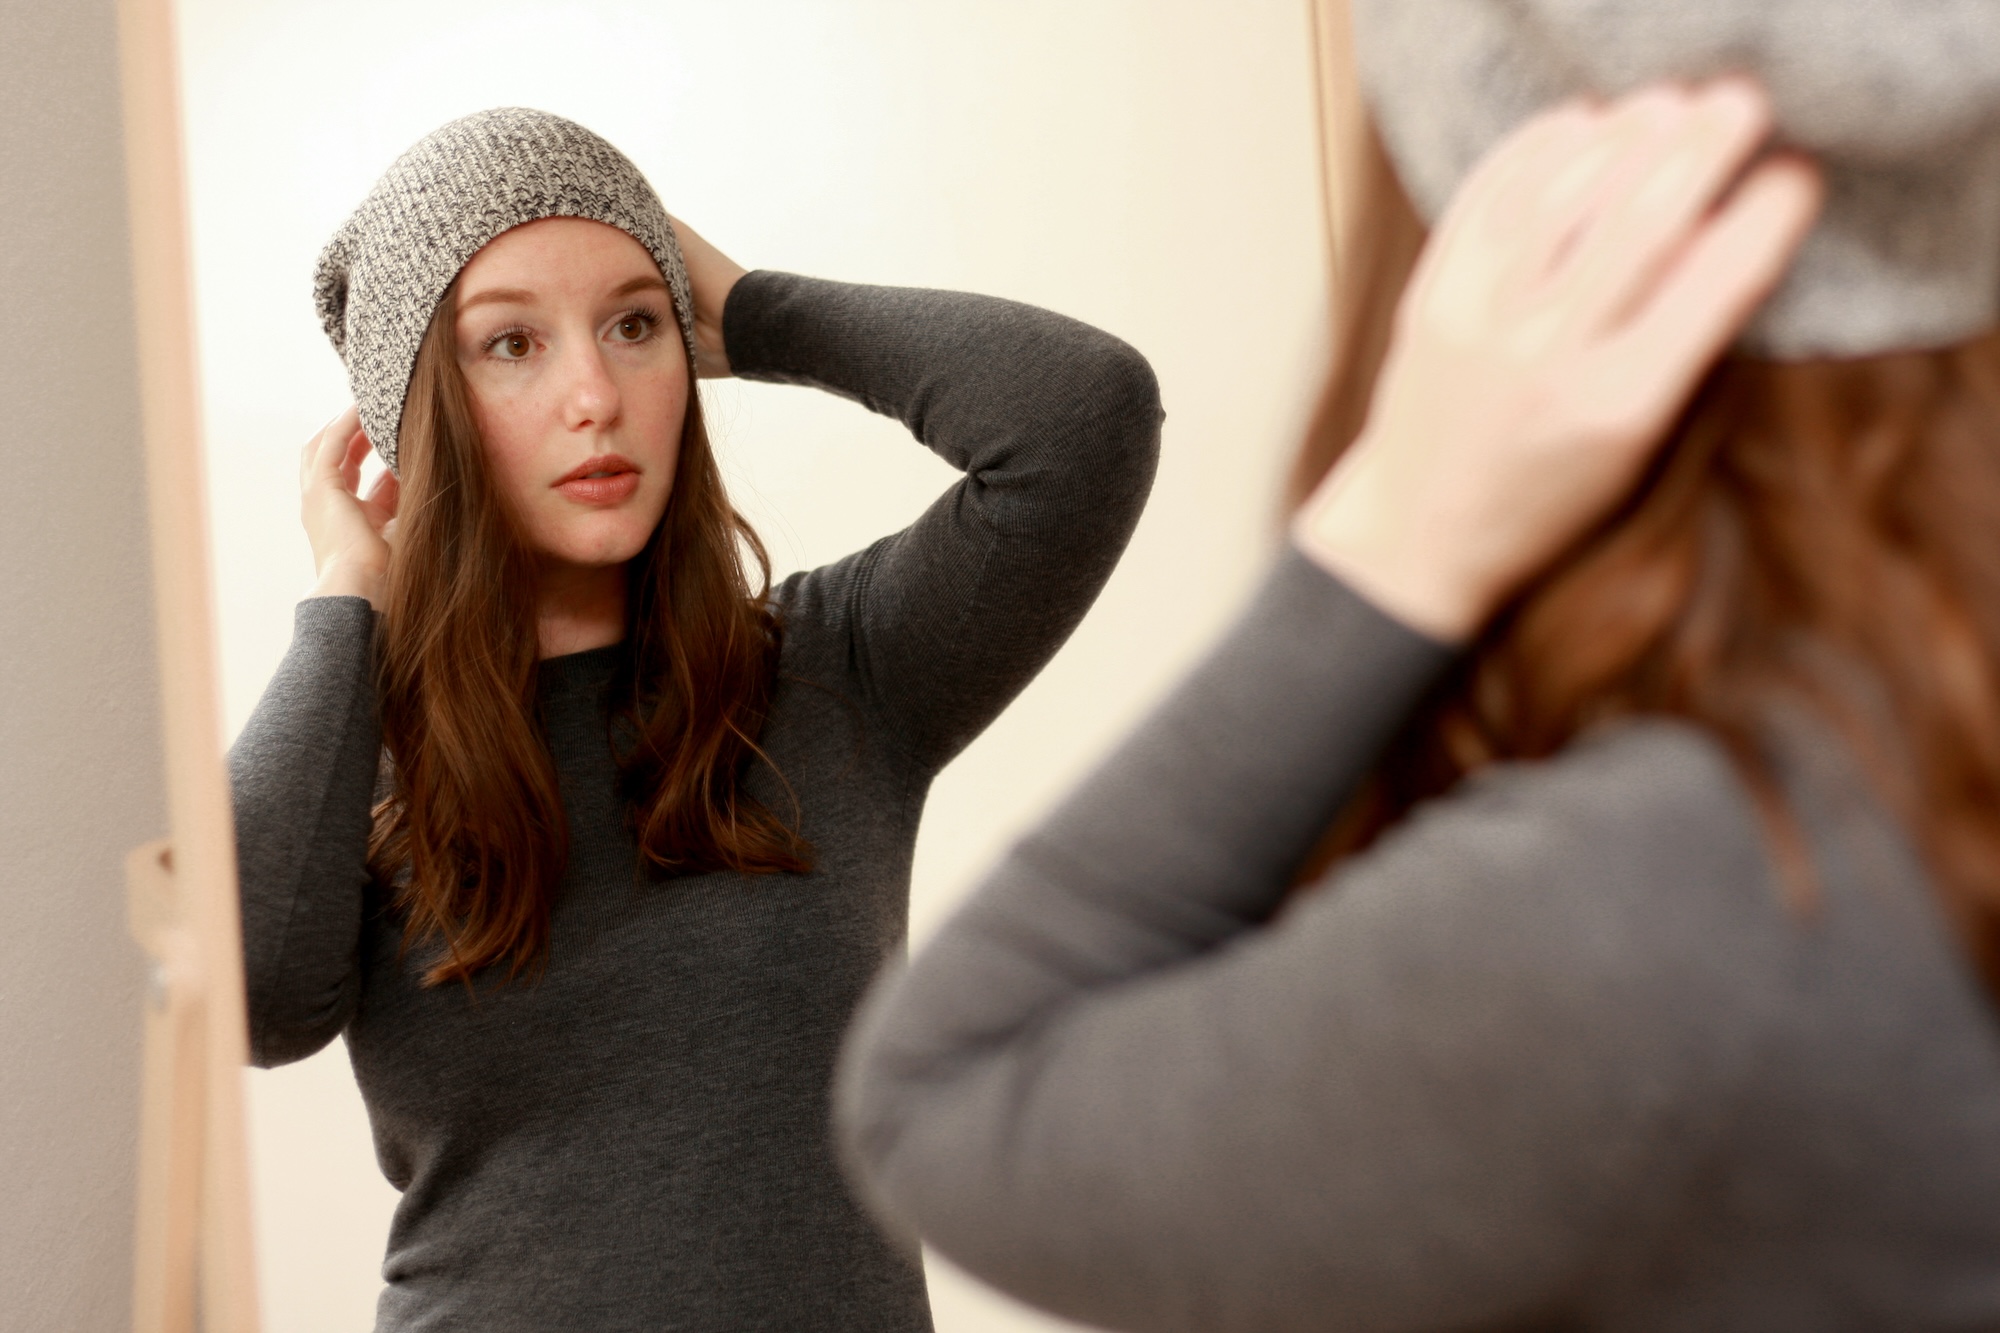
column 607, row 480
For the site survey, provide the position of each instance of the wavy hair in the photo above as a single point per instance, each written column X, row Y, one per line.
column 1815, row 531
column 472, row 833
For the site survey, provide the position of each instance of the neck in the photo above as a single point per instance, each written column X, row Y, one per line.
column 579, row 608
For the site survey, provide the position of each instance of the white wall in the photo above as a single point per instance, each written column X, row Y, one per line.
column 1146, row 165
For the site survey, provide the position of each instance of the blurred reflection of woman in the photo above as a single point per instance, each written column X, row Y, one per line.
column 641, row 831
column 1635, row 720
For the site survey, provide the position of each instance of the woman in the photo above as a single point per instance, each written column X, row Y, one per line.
column 642, row 830
column 1650, row 981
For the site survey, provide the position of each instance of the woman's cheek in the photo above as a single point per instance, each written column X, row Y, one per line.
column 513, row 471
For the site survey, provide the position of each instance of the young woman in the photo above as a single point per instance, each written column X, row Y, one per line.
column 1651, row 985
column 585, row 842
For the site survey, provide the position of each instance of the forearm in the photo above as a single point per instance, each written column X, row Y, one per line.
column 1037, row 403
column 1187, row 835
column 302, row 778
column 1194, row 828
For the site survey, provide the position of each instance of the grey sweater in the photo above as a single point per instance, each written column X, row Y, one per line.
column 1553, row 1054
column 639, row 1140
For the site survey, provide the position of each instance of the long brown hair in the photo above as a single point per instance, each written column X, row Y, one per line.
column 473, row 834
column 1819, row 531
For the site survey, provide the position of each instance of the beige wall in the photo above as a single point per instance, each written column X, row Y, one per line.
column 1147, row 165
column 80, row 765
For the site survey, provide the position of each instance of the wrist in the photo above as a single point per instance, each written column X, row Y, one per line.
column 345, row 578
column 1375, row 541
column 711, row 321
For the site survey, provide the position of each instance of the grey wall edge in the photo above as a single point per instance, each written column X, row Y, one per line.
column 81, row 774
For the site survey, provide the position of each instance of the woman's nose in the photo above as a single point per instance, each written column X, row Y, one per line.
column 590, row 393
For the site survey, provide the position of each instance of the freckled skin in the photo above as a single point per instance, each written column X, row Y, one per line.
column 567, row 361
column 567, row 339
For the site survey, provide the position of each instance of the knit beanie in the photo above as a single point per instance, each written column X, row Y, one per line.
column 380, row 278
column 1898, row 101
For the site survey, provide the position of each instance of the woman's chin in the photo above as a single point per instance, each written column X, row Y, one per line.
column 595, row 540
column 596, row 548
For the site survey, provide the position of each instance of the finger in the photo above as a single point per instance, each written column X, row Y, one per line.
column 329, row 447
column 1631, row 132
column 1482, row 234
column 1493, row 190
column 380, row 504
column 1651, row 206
column 309, row 456
column 351, row 463
column 1713, row 286
column 1525, row 215
column 1555, row 195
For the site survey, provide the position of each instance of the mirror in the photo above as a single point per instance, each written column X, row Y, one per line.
column 1150, row 168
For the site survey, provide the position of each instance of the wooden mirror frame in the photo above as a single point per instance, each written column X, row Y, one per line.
column 194, row 1266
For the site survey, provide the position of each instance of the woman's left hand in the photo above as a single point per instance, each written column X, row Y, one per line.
column 712, row 274
column 1580, row 282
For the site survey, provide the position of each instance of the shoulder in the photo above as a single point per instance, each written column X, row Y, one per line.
column 1628, row 892
column 1641, row 808
column 1621, row 894
column 1654, row 819
column 1642, row 803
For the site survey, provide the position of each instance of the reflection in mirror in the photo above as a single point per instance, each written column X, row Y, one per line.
column 1148, row 169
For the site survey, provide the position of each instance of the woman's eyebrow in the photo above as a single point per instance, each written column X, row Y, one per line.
column 495, row 295
column 639, row 284
column 521, row 296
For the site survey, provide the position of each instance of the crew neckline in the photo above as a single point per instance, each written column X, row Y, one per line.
column 590, row 667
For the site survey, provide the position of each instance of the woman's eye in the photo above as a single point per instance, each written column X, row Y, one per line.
column 511, row 346
column 633, row 328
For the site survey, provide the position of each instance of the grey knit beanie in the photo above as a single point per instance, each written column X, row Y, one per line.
column 380, row 278
column 1899, row 101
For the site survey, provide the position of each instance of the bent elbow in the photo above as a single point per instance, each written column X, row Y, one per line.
column 1130, row 402
column 1114, row 401
column 283, row 1032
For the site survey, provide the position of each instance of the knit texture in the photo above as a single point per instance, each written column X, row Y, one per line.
column 1899, row 102
column 381, row 277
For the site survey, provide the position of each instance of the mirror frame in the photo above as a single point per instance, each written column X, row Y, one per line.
column 194, row 1264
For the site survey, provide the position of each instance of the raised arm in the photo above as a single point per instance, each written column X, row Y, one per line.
column 302, row 774
column 1056, row 427
column 1420, row 1099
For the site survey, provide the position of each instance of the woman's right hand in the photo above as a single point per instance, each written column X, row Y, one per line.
column 349, row 532
column 1579, row 284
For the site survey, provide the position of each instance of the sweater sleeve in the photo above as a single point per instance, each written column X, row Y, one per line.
column 302, row 779
column 1054, row 424
column 1116, row 1086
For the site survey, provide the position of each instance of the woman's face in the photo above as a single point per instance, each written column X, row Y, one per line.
column 579, row 383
